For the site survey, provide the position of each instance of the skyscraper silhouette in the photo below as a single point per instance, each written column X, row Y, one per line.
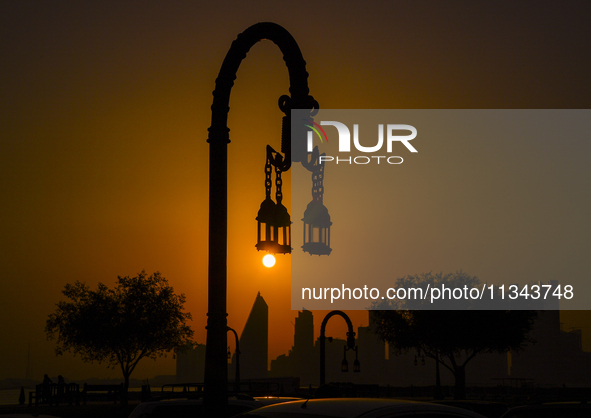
column 190, row 364
column 254, row 341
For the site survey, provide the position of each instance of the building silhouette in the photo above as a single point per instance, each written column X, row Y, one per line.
column 303, row 338
column 254, row 343
column 190, row 364
column 556, row 358
column 302, row 360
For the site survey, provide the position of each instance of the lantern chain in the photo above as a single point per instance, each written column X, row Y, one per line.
column 268, row 181
column 274, row 159
column 278, row 184
column 318, row 180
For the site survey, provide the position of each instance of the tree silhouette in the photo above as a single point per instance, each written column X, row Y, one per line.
column 141, row 317
column 451, row 337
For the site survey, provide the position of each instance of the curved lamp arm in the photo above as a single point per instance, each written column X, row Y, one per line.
column 298, row 78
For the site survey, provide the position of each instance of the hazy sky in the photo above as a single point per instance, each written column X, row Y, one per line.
column 105, row 110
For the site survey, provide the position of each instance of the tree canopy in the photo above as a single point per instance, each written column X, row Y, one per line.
column 451, row 337
column 141, row 317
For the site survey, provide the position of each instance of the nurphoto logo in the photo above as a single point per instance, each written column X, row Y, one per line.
column 391, row 134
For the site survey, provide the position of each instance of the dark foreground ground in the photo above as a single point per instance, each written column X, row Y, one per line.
column 94, row 410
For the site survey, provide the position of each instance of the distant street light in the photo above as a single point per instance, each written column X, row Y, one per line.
column 350, row 346
column 237, row 352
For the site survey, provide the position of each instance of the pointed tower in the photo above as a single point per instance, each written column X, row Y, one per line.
column 254, row 341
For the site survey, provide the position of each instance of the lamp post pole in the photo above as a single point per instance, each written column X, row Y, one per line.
column 237, row 376
column 216, row 365
column 350, row 340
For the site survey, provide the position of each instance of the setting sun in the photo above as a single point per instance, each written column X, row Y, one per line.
column 269, row 260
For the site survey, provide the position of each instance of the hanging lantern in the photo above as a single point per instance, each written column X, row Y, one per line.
column 274, row 228
column 316, row 229
column 316, row 218
column 266, row 232
column 345, row 363
column 282, row 229
column 274, row 222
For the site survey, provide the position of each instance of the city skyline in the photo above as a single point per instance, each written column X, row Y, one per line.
column 559, row 350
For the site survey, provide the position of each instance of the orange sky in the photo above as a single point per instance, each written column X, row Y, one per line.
column 105, row 110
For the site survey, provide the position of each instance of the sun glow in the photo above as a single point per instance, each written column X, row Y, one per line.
column 269, row 260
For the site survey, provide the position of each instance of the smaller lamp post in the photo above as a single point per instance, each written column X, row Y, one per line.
column 350, row 345
column 237, row 377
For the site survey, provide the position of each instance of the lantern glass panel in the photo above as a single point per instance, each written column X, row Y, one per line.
column 356, row 366
column 284, row 234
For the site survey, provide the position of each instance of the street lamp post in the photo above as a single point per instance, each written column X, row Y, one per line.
column 350, row 344
column 216, row 366
column 237, row 352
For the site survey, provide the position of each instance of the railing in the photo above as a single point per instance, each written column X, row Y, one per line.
column 55, row 393
column 182, row 390
column 253, row 387
column 104, row 392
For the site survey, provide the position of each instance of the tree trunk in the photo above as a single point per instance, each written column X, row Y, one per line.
column 438, row 394
column 124, row 394
column 460, row 387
